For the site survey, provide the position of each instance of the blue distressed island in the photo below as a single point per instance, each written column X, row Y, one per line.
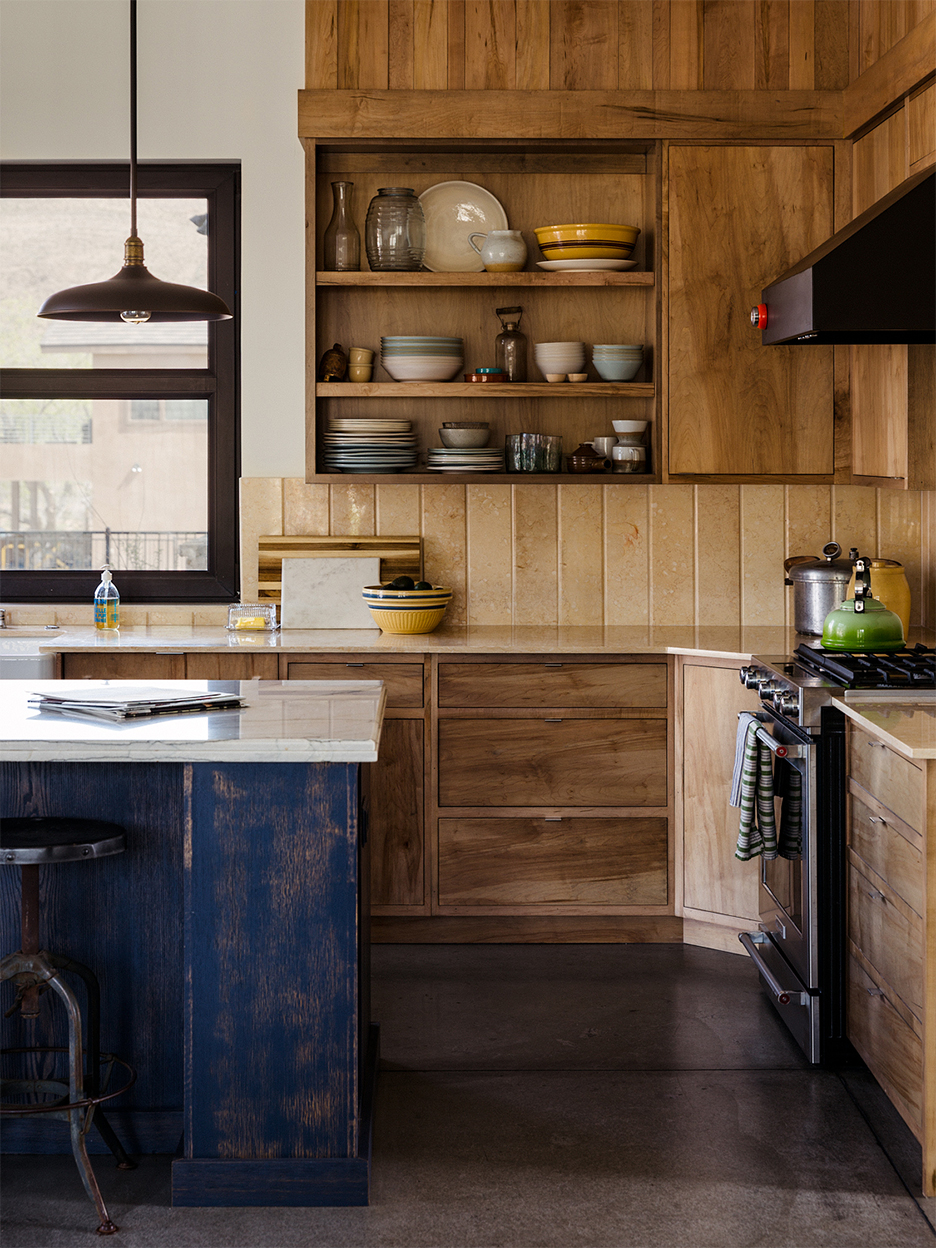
column 230, row 938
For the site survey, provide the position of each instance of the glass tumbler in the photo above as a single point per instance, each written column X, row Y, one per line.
column 395, row 230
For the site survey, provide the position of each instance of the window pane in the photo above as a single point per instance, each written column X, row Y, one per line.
column 91, row 481
column 51, row 244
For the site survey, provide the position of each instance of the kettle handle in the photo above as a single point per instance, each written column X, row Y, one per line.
column 862, row 583
column 795, row 559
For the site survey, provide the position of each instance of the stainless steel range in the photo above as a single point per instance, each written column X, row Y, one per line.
column 799, row 948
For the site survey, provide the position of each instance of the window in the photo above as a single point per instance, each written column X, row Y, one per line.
column 118, row 443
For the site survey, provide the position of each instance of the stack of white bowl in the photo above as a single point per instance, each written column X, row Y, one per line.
column 422, row 357
column 559, row 357
column 616, row 361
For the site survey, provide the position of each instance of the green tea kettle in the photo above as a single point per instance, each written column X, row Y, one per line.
column 862, row 624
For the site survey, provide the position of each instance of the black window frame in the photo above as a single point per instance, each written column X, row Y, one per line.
column 219, row 384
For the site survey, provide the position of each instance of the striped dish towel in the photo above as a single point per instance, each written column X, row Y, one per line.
column 757, row 833
column 791, row 816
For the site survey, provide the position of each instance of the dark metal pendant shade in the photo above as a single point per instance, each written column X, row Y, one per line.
column 134, row 294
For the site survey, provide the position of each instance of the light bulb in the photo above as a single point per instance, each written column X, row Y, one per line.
column 135, row 318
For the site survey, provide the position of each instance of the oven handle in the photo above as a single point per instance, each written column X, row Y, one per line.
column 781, row 751
column 785, row 996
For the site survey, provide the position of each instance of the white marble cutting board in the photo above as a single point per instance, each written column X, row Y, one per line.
column 326, row 593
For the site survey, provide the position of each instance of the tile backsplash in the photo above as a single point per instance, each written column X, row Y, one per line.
column 647, row 555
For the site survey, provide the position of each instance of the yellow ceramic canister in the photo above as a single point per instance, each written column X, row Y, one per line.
column 889, row 586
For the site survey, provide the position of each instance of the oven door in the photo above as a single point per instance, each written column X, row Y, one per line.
column 785, row 948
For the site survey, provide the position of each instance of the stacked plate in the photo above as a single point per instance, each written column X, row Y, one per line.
column 422, row 357
column 559, row 357
column 616, row 361
column 465, row 459
column 354, row 444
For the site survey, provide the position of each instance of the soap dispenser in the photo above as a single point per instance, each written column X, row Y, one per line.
column 106, row 602
column 510, row 346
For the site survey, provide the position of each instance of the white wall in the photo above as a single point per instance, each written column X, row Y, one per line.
column 217, row 80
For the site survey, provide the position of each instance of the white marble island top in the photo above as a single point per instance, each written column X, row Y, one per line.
column 296, row 721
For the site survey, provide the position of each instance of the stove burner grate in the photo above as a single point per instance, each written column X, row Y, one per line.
column 910, row 669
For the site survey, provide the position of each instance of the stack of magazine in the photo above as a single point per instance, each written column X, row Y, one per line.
column 113, row 702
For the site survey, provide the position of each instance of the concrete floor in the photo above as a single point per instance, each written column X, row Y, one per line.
column 577, row 1096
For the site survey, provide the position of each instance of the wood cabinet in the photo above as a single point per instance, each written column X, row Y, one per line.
column 891, row 992
column 537, row 184
column 558, row 798
column 719, row 892
column 738, row 217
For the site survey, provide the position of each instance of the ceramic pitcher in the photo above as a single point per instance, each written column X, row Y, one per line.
column 503, row 251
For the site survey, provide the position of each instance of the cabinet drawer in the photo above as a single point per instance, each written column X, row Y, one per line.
column 575, row 861
column 138, row 665
column 566, row 762
column 889, row 1045
column 404, row 681
column 894, row 857
column 893, row 779
column 889, row 935
column 637, row 685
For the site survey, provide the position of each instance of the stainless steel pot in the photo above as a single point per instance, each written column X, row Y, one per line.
column 819, row 586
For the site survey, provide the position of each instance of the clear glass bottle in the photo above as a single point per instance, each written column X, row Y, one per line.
column 395, row 230
column 341, row 244
column 106, row 602
column 510, row 346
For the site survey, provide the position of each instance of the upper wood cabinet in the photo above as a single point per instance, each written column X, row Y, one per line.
column 738, row 217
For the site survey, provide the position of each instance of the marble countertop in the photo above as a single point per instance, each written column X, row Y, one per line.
column 710, row 642
column 907, row 723
column 296, row 721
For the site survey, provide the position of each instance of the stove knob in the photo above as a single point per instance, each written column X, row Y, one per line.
column 786, row 703
column 767, row 689
column 752, row 677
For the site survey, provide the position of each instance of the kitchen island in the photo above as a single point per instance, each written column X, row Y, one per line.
column 230, row 938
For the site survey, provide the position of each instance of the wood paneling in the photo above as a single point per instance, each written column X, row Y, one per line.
column 739, row 216
column 567, row 762
column 887, row 77
column 879, row 410
column 889, row 1045
column 887, row 932
column 879, row 162
column 893, row 780
column 127, row 665
column 570, row 861
column 888, row 847
column 395, row 802
column 201, row 666
column 552, row 683
column 921, row 122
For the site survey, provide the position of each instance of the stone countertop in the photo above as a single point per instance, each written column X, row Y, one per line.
column 907, row 723
column 709, row 642
column 296, row 721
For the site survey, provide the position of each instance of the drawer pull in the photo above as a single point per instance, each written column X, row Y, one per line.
column 875, row 992
column 354, row 665
column 552, row 818
column 552, row 721
column 553, row 665
column 876, row 895
column 876, row 819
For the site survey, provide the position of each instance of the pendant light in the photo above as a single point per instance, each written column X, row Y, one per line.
column 134, row 295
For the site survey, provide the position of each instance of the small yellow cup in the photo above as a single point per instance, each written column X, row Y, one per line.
column 360, row 355
column 360, row 372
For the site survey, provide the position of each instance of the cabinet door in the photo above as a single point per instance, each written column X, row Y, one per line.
column 135, row 665
column 714, row 880
column 201, row 666
column 395, row 802
column 739, row 217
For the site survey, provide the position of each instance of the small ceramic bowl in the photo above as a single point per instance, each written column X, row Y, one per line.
column 629, row 426
column 360, row 355
column 360, row 372
column 464, row 437
column 556, row 376
column 616, row 371
column 578, row 376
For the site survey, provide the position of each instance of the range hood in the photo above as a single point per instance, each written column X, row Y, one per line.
column 873, row 281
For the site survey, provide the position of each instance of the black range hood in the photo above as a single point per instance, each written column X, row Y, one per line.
column 873, row 281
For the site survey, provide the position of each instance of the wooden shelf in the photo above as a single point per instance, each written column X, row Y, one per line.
column 597, row 278
column 484, row 390
column 420, row 476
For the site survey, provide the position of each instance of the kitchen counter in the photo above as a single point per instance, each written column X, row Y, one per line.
column 230, row 938
column 729, row 643
column 905, row 722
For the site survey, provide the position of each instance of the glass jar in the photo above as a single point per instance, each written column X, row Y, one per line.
column 341, row 244
column 395, row 230
column 510, row 345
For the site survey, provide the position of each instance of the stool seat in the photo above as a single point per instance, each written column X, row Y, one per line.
column 41, row 838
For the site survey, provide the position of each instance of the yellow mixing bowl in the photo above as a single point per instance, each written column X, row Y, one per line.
column 412, row 620
column 587, row 232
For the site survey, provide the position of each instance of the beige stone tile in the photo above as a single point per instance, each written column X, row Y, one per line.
column 928, row 559
column 168, row 617
column 900, row 537
column 535, row 555
column 808, row 524
column 672, row 554
column 398, row 510
column 490, row 554
column 762, row 547
column 627, row 555
column 351, row 511
column 37, row 614
column 261, row 511
column 305, row 508
column 443, row 527
column 854, row 518
column 210, row 617
column 581, row 541
column 718, row 554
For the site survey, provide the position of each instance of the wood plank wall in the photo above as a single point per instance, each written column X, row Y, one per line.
column 568, row 45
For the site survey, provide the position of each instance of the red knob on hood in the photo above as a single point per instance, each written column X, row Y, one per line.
column 759, row 316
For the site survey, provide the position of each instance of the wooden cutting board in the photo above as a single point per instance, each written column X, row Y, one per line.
column 399, row 556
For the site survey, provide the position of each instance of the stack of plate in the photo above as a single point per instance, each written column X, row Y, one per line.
column 617, row 361
column 559, row 357
column 465, row 459
column 354, row 444
column 422, row 358
column 584, row 245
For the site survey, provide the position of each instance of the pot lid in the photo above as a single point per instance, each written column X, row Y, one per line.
column 812, row 568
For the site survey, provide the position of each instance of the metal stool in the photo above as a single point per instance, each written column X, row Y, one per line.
column 28, row 843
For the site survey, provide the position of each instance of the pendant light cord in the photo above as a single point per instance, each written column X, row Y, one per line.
column 133, row 119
